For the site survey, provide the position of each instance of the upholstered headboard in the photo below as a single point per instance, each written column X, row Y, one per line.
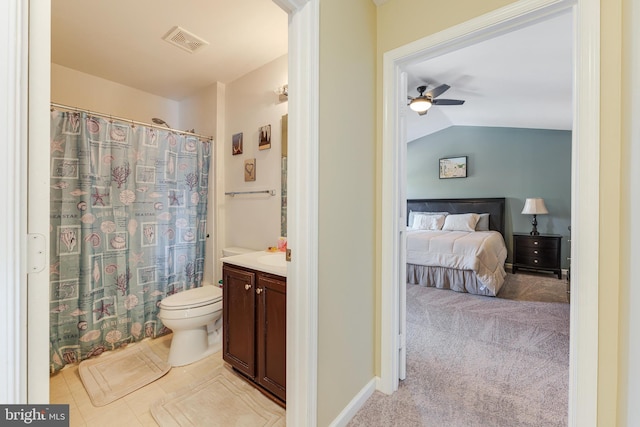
column 493, row 206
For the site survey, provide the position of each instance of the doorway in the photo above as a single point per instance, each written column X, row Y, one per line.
column 583, row 365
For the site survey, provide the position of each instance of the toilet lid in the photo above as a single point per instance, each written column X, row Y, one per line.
column 196, row 297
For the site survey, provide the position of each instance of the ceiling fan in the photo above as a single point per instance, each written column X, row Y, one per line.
column 424, row 101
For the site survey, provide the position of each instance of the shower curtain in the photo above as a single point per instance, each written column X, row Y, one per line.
column 128, row 228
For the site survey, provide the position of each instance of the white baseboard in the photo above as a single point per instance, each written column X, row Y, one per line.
column 356, row 403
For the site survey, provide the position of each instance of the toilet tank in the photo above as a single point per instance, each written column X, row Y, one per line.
column 235, row 250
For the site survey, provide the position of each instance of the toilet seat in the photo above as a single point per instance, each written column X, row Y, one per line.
column 192, row 298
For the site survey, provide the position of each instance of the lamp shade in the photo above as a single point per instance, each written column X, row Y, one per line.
column 534, row 206
column 420, row 104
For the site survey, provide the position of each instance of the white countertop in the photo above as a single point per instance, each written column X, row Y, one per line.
column 268, row 262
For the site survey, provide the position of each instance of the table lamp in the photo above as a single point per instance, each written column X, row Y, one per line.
column 534, row 206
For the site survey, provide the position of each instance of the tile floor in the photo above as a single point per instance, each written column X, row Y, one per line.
column 133, row 409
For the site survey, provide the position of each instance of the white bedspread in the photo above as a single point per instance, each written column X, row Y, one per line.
column 483, row 252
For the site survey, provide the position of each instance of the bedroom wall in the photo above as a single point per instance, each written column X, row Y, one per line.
column 501, row 162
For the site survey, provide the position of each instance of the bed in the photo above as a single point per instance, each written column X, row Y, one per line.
column 457, row 244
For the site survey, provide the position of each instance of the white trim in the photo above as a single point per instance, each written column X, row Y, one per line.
column 291, row 6
column 302, row 222
column 584, row 320
column 13, row 72
column 585, row 193
column 355, row 405
column 391, row 251
column 38, row 196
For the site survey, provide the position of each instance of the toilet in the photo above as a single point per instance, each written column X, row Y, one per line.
column 195, row 317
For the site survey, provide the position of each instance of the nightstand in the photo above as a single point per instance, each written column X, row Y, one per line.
column 541, row 252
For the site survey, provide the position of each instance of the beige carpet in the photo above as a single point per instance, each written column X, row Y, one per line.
column 475, row 361
column 115, row 374
column 531, row 286
column 222, row 399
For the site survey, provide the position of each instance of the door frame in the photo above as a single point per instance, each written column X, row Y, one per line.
column 302, row 211
column 585, row 186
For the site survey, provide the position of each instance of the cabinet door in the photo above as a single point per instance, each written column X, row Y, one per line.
column 271, row 334
column 238, row 313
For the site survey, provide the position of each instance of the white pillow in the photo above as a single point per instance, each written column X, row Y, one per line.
column 483, row 222
column 427, row 222
column 413, row 213
column 461, row 222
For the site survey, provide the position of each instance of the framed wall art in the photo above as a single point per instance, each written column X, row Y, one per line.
column 265, row 137
column 236, row 144
column 453, row 167
column 250, row 170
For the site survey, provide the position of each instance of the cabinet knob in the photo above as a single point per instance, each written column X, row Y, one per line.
column 535, row 252
column 535, row 261
column 535, row 242
column 247, row 286
column 258, row 291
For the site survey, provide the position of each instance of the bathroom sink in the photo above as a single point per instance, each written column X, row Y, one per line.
column 274, row 260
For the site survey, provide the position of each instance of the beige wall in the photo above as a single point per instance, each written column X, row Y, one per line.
column 611, row 207
column 77, row 89
column 253, row 221
column 402, row 21
column 346, row 203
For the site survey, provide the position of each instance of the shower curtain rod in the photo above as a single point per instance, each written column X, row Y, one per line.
column 109, row 116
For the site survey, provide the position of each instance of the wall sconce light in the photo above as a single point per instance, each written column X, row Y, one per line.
column 534, row 206
column 283, row 93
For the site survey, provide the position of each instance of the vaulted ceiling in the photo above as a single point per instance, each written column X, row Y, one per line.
column 521, row 79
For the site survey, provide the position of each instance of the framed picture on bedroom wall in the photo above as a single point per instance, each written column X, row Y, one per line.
column 453, row 167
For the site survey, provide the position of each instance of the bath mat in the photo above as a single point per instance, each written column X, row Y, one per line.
column 115, row 374
column 222, row 399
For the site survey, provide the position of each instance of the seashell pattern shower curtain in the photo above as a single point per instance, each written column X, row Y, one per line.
column 128, row 228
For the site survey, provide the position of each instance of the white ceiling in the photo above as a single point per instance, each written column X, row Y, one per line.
column 522, row 79
column 121, row 40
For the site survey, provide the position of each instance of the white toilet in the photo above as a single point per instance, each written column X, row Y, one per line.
column 195, row 317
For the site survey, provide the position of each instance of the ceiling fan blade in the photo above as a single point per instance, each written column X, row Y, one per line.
column 447, row 102
column 437, row 91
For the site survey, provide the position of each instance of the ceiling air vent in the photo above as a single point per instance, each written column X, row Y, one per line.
column 184, row 40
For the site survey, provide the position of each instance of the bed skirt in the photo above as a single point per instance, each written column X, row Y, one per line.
column 448, row 278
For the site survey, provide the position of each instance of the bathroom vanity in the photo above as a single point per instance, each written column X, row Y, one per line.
column 254, row 321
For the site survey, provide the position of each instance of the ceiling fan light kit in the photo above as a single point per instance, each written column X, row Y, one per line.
column 420, row 104
column 423, row 102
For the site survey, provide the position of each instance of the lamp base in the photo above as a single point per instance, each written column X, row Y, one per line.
column 534, row 223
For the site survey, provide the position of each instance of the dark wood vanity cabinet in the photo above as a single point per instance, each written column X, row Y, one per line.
column 254, row 327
